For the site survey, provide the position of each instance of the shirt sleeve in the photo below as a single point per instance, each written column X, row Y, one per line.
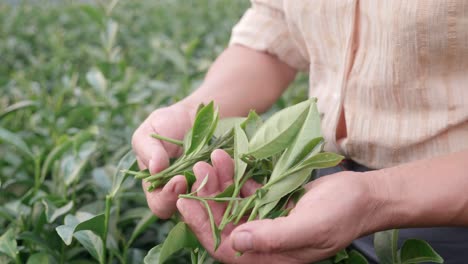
column 263, row 27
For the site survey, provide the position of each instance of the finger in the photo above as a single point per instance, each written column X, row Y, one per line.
column 162, row 201
column 149, row 151
column 202, row 170
column 140, row 163
column 224, row 166
column 195, row 216
column 249, row 188
column 271, row 235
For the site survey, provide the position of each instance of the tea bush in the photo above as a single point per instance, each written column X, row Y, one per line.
column 76, row 79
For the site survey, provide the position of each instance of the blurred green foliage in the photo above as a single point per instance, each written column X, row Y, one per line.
column 76, row 79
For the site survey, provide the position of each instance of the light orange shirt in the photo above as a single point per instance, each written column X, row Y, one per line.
column 392, row 76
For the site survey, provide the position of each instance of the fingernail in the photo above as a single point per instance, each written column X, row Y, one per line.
column 243, row 241
column 181, row 205
column 151, row 166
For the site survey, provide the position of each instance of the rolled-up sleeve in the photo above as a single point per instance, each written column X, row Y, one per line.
column 264, row 28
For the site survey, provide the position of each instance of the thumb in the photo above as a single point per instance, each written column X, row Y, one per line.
column 149, row 151
column 270, row 235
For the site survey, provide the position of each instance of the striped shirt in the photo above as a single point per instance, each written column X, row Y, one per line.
column 391, row 77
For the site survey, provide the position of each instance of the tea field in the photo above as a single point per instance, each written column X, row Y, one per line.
column 76, row 79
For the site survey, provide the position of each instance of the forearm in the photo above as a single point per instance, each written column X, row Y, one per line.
column 242, row 79
column 425, row 193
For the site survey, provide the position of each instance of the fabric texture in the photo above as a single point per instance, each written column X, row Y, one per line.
column 391, row 77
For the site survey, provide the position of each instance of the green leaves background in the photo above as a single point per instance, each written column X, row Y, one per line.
column 76, row 79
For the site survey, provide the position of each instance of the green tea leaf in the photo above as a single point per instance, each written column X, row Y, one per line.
column 74, row 224
column 386, row 246
column 176, row 57
column 321, row 160
column 95, row 224
column 281, row 204
column 251, row 124
column 190, row 179
column 72, row 166
column 290, row 159
column 201, row 186
column 68, row 144
column 41, row 257
column 145, row 221
column 277, row 213
column 17, row 106
column 153, row 255
column 311, row 148
column 187, row 141
column 203, row 128
column 355, row 257
column 325, row 261
column 418, row 251
column 240, row 147
column 97, row 80
column 52, row 212
column 16, row 141
column 306, row 140
column 66, row 231
column 41, row 243
column 178, row 238
column 340, row 256
column 93, row 13
column 8, row 244
column 125, row 163
column 226, row 125
column 227, row 192
column 281, row 188
column 92, row 243
column 278, row 131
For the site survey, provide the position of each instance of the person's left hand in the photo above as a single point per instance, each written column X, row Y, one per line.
column 335, row 210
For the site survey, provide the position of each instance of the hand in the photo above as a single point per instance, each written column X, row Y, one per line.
column 152, row 154
column 329, row 216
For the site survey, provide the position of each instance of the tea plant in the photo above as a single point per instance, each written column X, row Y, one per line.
column 76, row 79
column 281, row 153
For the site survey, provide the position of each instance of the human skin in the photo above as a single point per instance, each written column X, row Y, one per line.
column 239, row 80
column 423, row 193
column 335, row 210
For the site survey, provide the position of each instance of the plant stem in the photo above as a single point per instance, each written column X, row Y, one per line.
column 244, row 209
column 201, row 259
column 37, row 174
column 170, row 140
column 225, row 221
column 214, row 228
column 106, row 225
column 253, row 214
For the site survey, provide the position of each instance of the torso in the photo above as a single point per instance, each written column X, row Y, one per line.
column 391, row 76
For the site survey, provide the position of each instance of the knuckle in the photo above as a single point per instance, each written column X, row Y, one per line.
column 158, row 211
column 135, row 137
column 157, row 206
column 272, row 244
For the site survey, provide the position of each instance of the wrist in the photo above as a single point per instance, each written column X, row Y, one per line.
column 386, row 200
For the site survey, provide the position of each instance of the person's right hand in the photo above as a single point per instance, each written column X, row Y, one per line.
column 153, row 154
